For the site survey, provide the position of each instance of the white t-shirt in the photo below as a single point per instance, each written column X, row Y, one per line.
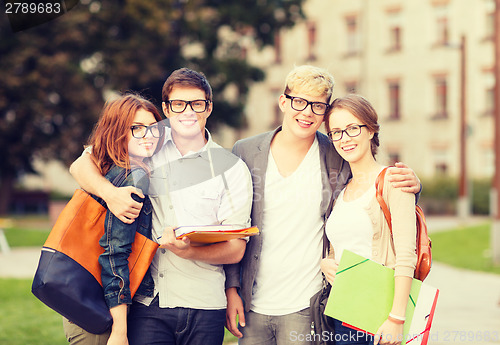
column 349, row 225
column 289, row 272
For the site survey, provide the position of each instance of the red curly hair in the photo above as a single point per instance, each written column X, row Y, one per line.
column 109, row 139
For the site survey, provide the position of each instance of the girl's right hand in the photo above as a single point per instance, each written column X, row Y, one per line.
column 329, row 268
column 115, row 339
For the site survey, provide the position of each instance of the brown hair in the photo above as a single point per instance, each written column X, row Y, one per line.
column 361, row 109
column 109, row 139
column 186, row 77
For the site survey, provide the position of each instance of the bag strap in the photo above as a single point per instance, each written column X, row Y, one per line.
column 379, row 186
column 118, row 180
column 326, row 244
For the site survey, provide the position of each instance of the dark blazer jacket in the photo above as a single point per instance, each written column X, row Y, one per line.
column 254, row 151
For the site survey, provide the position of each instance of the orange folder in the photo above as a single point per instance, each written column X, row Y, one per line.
column 213, row 233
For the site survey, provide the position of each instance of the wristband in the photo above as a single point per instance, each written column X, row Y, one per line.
column 396, row 319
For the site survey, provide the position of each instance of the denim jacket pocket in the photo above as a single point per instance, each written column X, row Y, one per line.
column 145, row 223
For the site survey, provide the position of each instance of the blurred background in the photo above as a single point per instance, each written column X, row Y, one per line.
column 429, row 67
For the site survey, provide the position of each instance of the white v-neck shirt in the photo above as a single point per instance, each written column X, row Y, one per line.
column 349, row 225
column 289, row 272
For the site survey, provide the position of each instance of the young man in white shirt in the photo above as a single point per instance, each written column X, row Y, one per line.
column 194, row 181
column 296, row 175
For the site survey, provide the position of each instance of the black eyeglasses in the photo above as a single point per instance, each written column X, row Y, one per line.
column 299, row 104
column 140, row 131
column 351, row 131
column 198, row 106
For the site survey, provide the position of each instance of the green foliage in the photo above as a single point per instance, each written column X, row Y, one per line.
column 440, row 195
column 58, row 196
column 466, row 248
column 24, row 319
column 54, row 75
column 481, row 196
column 441, row 188
column 20, row 237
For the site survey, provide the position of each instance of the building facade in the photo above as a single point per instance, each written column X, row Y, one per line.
column 407, row 58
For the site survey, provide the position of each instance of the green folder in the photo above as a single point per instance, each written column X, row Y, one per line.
column 363, row 292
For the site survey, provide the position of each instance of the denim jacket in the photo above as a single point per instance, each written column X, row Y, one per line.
column 117, row 243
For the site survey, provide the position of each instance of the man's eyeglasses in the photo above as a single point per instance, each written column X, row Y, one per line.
column 352, row 131
column 140, row 131
column 198, row 106
column 299, row 104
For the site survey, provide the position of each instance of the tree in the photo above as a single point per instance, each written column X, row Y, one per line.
column 55, row 74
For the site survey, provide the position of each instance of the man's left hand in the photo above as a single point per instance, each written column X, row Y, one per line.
column 180, row 247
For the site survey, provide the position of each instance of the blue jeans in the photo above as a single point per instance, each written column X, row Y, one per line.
column 289, row 329
column 174, row 326
column 348, row 336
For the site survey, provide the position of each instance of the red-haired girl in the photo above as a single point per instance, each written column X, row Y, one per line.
column 126, row 135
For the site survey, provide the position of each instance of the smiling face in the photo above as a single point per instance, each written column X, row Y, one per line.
column 352, row 149
column 302, row 124
column 188, row 124
column 143, row 147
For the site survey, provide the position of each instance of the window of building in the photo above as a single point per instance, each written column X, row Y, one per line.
column 394, row 100
column 278, row 117
column 395, row 39
column 490, row 26
column 394, row 157
column 441, row 160
column 311, row 39
column 441, row 97
column 394, row 22
column 441, row 20
column 351, row 87
column 442, row 34
column 489, row 102
column 352, row 35
column 441, row 169
column 490, row 20
column 489, row 161
column 278, row 114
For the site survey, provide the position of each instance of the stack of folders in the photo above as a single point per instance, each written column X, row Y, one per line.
column 214, row 233
column 362, row 295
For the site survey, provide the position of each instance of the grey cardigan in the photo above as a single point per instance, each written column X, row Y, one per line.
column 255, row 151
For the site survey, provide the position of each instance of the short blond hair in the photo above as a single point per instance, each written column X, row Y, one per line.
column 312, row 80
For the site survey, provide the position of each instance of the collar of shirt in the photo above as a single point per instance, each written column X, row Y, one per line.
column 169, row 142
